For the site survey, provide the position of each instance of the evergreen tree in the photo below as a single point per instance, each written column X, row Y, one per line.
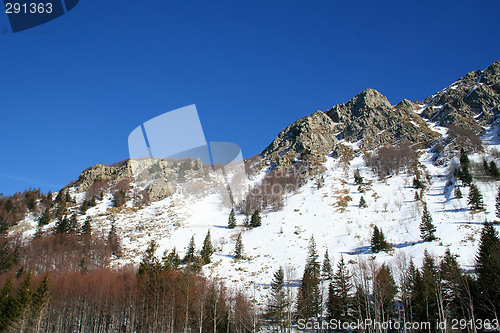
column 45, row 218
column 326, row 268
column 150, row 265
column 464, row 174
column 114, row 241
column 84, row 206
column 73, row 223
column 278, row 300
column 231, row 223
column 207, row 250
column 340, row 302
column 427, row 229
column 6, row 302
column 488, row 270
column 358, row 180
column 493, row 169
column 458, row 193
column 191, row 251
column 40, row 302
column 384, row 291
column 497, row 204
column 238, row 248
column 378, row 242
column 83, row 265
column 475, row 201
column 256, row 220
column 63, row 225
column 21, row 303
column 309, row 296
column 171, row 260
column 417, row 184
column 362, row 203
column 87, row 226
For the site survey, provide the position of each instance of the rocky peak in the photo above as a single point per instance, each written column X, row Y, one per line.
column 471, row 102
column 314, row 134
column 371, row 118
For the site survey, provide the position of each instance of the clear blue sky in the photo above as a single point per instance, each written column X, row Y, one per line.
column 73, row 89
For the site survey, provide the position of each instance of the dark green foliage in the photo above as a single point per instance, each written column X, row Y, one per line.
column 458, row 192
column 384, row 291
column 9, row 254
column 497, row 204
column 488, row 270
column 191, row 251
column 171, row 260
column 84, row 206
column 358, row 180
column 44, row 218
column 150, row 265
column 427, row 229
column 238, row 248
column 114, row 241
column 87, row 226
column 6, row 302
column 256, row 220
column 231, row 223
column 41, row 298
column 63, row 225
column 340, row 301
column 362, row 203
column 475, row 200
column 73, row 223
column 378, row 242
column 463, row 173
column 309, row 296
column 278, row 301
column 417, row 184
column 326, row 268
column 207, row 250
column 493, row 170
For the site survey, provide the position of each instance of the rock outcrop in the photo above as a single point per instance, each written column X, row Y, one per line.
column 472, row 102
column 370, row 119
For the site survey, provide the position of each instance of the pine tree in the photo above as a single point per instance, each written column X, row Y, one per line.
column 84, row 206
column 238, row 248
column 171, row 260
column 207, row 250
column 21, row 303
column 378, row 242
column 87, row 226
column 488, row 270
column 278, row 300
column 362, row 203
column 40, row 302
column 358, row 180
column 256, row 220
column 309, row 296
column 458, row 193
column 384, row 290
column 231, row 223
column 340, row 303
column 464, row 173
column 73, row 223
column 45, row 218
column 427, row 229
column 326, row 268
column 475, row 201
column 150, row 265
column 493, row 169
column 114, row 241
column 191, row 251
column 6, row 302
column 62, row 225
column 497, row 204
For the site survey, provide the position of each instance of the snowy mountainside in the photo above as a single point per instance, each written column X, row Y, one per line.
column 171, row 201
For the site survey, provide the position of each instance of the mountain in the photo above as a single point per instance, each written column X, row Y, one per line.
column 407, row 156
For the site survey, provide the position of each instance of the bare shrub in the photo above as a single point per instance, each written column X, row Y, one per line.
column 466, row 138
column 390, row 160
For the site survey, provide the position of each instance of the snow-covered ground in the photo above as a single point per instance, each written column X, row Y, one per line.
column 283, row 238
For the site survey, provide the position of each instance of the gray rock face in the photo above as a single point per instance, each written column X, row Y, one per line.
column 315, row 135
column 471, row 102
column 371, row 118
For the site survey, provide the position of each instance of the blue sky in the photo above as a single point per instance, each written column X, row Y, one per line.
column 73, row 89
